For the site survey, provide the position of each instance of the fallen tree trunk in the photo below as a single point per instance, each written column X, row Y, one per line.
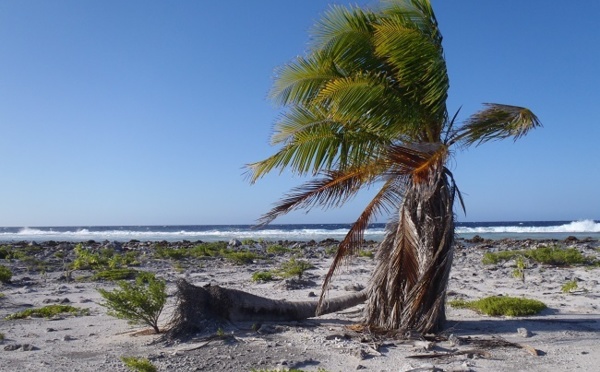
column 200, row 307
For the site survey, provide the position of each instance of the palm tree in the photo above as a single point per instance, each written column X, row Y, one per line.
column 365, row 106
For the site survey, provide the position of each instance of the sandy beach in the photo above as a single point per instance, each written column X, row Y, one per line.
column 564, row 336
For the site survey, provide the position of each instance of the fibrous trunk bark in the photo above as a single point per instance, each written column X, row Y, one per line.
column 408, row 288
column 199, row 307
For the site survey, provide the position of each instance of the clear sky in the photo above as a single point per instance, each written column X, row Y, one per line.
column 145, row 112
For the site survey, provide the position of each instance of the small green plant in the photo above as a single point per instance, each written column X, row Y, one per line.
column 519, row 271
column 220, row 332
column 5, row 274
column 262, row 276
column 277, row 249
column 140, row 302
column 48, row 312
column 161, row 251
column 240, row 257
column 293, row 268
column 569, row 286
column 493, row 258
column 138, row 364
column 2, row 337
column 115, row 274
column 366, row 253
column 501, row 305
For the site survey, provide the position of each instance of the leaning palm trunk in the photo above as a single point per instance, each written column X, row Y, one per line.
column 200, row 307
column 408, row 288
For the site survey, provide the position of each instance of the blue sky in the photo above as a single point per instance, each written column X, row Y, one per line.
column 145, row 112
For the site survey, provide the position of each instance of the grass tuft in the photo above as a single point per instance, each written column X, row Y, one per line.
column 569, row 286
column 138, row 364
column 262, row 276
column 501, row 305
column 48, row 312
column 116, row 274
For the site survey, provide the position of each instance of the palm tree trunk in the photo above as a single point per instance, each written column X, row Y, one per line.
column 199, row 307
column 408, row 288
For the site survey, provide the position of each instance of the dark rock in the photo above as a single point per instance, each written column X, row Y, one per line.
column 28, row 347
column 475, row 240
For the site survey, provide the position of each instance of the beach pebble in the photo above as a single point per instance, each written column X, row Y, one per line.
column 524, row 332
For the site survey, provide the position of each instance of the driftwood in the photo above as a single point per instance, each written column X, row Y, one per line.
column 200, row 307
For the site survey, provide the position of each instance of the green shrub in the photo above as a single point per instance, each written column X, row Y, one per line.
column 106, row 258
column 555, row 255
column 262, row 276
column 5, row 274
column 140, row 302
column 2, row 337
column 49, row 311
column 293, row 268
column 138, row 364
column 552, row 255
column 501, row 305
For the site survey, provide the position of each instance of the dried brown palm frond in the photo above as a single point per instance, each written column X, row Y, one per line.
column 407, row 290
column 333, row 189
column 388, row 197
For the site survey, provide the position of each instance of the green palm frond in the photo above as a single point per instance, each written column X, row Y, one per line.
column 300, row 80
column 345, row 34
column 496, row 122
column 308, row 151
column 418, row 63
column 312, row 142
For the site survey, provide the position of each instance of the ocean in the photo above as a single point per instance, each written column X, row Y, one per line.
column 295, row 232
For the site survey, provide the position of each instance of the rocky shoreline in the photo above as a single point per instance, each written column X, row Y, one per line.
column 43, row 273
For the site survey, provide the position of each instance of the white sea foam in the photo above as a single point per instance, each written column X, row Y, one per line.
column 584, row 226
column 287, row 232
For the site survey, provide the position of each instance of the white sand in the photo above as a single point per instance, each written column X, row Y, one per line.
column 567, row 334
